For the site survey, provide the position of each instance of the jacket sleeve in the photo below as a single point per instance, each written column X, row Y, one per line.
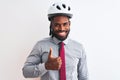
column 33, row 66
column 82, row 67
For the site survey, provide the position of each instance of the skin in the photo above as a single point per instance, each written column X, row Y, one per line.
column 60, row 28
column 53, row 63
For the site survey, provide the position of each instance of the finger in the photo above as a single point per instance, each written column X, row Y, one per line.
column 59, row 58
column 50, row 53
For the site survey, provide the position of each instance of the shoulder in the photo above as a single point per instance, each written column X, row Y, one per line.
column 75, row 43
column 44, row 41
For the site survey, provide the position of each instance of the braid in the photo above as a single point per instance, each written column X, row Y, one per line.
column 50, row 33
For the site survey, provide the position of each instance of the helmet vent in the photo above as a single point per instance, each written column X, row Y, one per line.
column 53, row 5
column 68, row 8
column 58, row 7
column 64, row 6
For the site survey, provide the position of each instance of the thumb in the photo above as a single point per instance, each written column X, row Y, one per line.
column 50, row 53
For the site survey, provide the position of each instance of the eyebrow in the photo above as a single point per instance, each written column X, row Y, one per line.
column 61, row 23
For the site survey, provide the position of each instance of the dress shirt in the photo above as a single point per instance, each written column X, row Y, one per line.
column 76, row 66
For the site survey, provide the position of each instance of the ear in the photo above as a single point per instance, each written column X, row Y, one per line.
column 51, row 29
column 50, row 33
column 69, row 22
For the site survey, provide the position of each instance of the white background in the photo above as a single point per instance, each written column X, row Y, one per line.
column 95, row 24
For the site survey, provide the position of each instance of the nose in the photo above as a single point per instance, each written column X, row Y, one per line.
column 61, row 27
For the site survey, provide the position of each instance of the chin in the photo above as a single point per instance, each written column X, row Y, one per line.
column 62, row 38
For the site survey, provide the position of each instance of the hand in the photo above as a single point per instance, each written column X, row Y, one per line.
column 52, row 62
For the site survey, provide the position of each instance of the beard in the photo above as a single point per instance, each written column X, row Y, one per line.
column 62, row 38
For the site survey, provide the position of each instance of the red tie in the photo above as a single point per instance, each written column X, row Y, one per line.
column 63, row 68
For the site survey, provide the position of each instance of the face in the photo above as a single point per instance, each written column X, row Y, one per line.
column 60, row 27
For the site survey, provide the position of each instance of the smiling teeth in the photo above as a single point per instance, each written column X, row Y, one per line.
column 62, row 33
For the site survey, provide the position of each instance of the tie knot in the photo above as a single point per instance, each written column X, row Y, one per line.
column 61, row 43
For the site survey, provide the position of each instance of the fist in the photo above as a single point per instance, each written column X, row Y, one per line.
column 53, row 63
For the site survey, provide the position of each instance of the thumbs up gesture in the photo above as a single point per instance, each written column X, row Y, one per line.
column 53, row 63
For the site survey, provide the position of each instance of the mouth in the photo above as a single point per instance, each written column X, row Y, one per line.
column 62, row 33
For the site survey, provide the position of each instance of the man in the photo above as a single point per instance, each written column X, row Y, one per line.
column 46, row 61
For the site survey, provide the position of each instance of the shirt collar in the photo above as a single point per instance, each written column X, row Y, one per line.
column 57, row 41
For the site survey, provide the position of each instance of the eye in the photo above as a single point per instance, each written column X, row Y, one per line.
column 56, row 24
column 66, row 24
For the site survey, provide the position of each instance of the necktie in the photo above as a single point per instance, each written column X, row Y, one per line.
column 63, row 68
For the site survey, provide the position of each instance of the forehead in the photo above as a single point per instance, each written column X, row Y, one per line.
column 60, row 19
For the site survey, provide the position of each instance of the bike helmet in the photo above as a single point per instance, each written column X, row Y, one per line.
column 59, row 9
